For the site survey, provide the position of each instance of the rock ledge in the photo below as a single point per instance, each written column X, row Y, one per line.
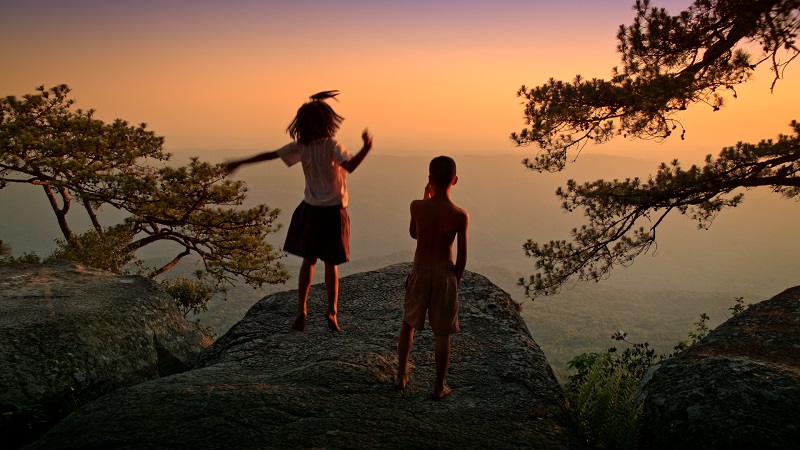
column 264, row 386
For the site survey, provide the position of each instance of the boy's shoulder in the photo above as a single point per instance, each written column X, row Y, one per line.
column 461, row 212
column 446, row 204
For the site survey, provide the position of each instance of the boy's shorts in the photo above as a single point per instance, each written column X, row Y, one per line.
column 319, row 232
column 432, row 288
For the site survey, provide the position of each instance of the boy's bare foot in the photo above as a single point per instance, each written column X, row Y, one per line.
column 332, row 323
column 440, row 394
column 400, row 383
column 299, row 323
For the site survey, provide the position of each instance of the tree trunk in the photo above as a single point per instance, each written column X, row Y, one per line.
column 61, row 213
column 92, row 216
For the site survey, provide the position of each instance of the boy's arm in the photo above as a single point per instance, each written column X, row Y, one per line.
column 231, row 166
column 461, row 247
column 351, row 164
column 428, row 193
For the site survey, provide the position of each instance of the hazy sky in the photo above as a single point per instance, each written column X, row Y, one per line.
column 427, row 77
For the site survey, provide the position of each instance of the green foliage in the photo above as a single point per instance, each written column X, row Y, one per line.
column 584, row 363
column 616, row 209
column 669, row 63
column 106, row 251
column 738, row 306
column 602, row 391
column 77, row 159
column 25, row 258
column 701, row 330
column 607, row 409
column 191, row 296
column 603, row 394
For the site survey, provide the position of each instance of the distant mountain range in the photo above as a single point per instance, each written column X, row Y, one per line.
column 749, row 251
column 752, row 247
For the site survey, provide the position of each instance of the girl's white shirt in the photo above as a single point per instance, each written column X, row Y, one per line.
column 326, row 179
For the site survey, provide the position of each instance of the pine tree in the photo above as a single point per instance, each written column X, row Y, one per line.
column 668, row 64
column 79, row 160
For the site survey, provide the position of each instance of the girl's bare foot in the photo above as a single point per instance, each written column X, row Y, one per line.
column 332, row 323
column 400, row 382
column 439, row 394
column 299, row 323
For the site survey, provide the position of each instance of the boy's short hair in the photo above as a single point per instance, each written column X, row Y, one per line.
column 442, row 170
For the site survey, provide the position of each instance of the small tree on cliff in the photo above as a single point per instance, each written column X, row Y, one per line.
column 668, row 63
column 77, row 159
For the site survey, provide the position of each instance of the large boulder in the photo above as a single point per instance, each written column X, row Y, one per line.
column 69, row 334
column 737, row 388
column 264, row 386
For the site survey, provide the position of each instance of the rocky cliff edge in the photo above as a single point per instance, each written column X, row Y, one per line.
column 262, row 385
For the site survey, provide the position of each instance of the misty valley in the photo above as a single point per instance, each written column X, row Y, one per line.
column 748, row 252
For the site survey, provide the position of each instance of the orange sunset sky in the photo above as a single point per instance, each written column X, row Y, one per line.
column 427, row 77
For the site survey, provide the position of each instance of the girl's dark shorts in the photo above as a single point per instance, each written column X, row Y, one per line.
column 319, row 232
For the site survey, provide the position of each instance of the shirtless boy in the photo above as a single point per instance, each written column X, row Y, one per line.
column 432, row 286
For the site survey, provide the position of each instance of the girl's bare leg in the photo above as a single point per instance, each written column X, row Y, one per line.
column 332, row 288
column 303, row 286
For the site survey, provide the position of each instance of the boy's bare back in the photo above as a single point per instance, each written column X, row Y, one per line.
column 436, row 222
column 432, row 285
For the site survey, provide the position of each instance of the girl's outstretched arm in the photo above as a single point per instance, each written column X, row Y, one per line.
column 351, row 164
column 231, row 166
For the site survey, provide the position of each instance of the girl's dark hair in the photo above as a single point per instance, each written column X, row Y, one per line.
column 442, row 170
column 315, row 119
